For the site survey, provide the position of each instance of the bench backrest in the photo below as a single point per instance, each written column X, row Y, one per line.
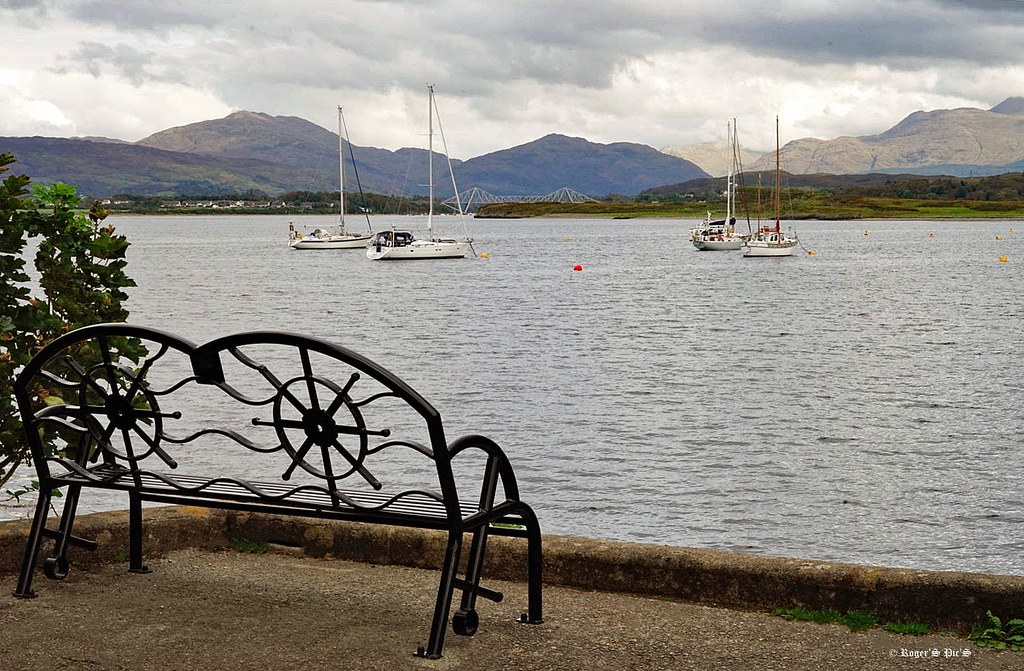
column 291, row 407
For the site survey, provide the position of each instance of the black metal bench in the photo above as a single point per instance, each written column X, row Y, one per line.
column 176, row 426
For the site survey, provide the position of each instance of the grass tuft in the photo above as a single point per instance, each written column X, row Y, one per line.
column 907, row 628
column 252, row 547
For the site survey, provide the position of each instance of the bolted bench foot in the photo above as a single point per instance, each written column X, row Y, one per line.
column 422, row 652
column 525, row 619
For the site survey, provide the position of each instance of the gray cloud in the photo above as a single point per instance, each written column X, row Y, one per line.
column 122, row 60
column 660, row 71
column 582, row 43
column 21, row 4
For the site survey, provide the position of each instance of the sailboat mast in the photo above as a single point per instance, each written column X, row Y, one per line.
column 778, row 182
column 730, row 139
column 430, row 154
column 341, row 168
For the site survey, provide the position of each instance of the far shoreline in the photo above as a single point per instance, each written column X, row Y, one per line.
column 605, row 215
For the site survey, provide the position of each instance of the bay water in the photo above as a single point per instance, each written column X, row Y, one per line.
column 861, row 404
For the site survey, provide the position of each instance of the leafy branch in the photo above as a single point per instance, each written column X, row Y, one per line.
column 81, row 265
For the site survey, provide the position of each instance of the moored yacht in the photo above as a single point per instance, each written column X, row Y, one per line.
column 770, row 240
column 394, row 245
column 721, row 234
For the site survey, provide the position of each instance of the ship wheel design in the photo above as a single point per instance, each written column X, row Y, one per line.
column 114, row 401
column 301, row 419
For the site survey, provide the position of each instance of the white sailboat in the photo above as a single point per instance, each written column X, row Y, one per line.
column 770, row 240
column 721, row 234
column 337, row 237
column 394, row 245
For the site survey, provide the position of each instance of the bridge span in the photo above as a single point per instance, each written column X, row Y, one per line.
column 476, row 196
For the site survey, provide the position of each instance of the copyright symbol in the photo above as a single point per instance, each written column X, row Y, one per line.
column 893, row 653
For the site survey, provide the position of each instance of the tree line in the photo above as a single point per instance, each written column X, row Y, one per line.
column 1005, row 187
column 291, row 201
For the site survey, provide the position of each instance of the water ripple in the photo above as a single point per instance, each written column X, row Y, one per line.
column 859, row 405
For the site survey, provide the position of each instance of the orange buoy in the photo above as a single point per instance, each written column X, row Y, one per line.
column 577, row 267
column 1003, row 259
column 484, row 255
column 568, row 239
column 931, row 235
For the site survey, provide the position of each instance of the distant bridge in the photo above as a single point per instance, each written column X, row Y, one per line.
column 476, row 196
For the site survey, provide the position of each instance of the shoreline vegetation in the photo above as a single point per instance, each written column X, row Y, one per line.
column 815, row 207
column 805, row 197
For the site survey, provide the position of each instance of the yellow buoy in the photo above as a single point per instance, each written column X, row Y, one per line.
column 1003, row 259
column 998, row 238
column 865, row 232
column 484, row 255
column 568, row 239
column 811, row 253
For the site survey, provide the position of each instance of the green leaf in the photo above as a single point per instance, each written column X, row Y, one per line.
column 1015, row 627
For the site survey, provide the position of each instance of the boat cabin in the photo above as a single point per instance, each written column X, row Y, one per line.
column 391, row 239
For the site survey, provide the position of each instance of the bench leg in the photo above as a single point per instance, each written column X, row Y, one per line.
column 135, row 560
column 444, row 599
column 465, row 620
column 35, row 538
column 535, row 567
column 56, row 566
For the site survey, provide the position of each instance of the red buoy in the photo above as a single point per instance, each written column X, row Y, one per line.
column 577, row 267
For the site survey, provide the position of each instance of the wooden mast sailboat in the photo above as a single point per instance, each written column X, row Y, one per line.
column 770, row 240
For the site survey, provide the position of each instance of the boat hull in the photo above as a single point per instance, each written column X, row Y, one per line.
column 759, row 248
column 332, row 242
column 718, row 245
column 419, row 249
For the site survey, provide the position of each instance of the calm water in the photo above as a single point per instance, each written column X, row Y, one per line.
column 861, row 404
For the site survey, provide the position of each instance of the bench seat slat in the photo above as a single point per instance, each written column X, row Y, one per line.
column 413, row 506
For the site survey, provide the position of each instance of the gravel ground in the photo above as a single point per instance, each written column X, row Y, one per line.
column 229, row 610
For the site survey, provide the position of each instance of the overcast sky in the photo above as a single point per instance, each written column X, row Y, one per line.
column 657, row 72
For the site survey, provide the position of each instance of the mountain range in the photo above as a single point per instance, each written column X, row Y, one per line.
column 960, row 142
column 256, row 152
column 252, row 151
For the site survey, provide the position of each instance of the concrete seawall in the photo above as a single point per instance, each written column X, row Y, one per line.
column 945, row 600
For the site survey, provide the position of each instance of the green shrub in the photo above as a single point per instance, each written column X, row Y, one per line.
column 81, row 274
column 992, row 634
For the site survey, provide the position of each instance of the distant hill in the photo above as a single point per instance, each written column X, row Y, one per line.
column 106, row 169
column 711, row 157
column 293, row 141
column 545, row 165
column 960, row 142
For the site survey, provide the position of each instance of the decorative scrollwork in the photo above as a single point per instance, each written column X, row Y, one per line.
column 113, row 399
column 310, row 412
